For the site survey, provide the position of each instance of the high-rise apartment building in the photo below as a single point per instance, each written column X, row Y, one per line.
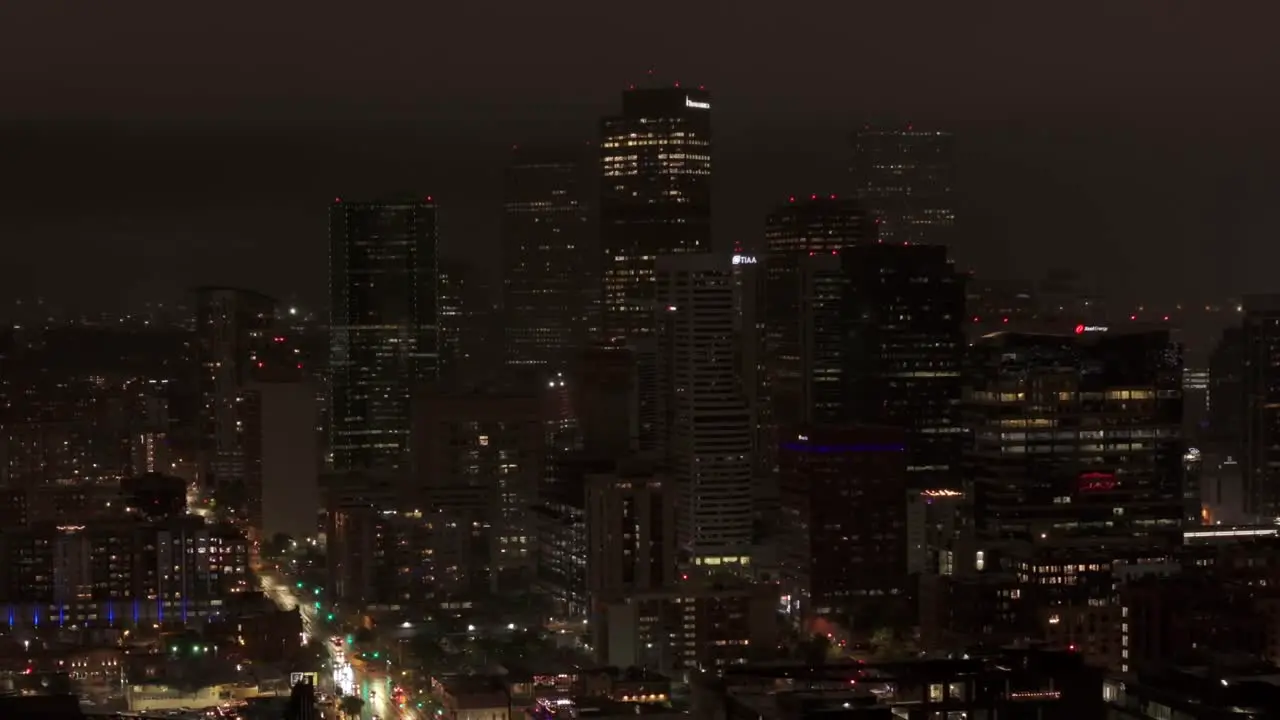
column 655, row 198
column 384, row 336
column 547, row 264
column 120, row 573
column 705, row 426
column 903, row 343
column 905, row 178
column 233, row 329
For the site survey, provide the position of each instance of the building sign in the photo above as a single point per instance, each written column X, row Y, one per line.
column 697, row 104
column 1097, row 482
column 307, row 677
column 1082, row 329
column 744, row 259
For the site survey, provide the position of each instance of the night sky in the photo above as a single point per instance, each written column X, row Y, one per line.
column 148, row 146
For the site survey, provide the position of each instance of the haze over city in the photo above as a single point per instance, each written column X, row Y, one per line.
column 1129, row 140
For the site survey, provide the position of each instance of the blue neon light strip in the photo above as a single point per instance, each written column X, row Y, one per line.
column 842, row 449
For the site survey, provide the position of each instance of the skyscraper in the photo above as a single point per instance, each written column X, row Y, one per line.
column 655, row 160
column 1261, row 410
column 903, row 343
column 233, row 334
column 383, row 326
column 546, row 265
column 798, row 234
column 704, row 422
column 905, row 179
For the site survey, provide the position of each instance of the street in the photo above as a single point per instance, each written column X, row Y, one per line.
column 372, row 683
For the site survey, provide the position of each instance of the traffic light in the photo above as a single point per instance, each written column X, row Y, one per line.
column 329, row 617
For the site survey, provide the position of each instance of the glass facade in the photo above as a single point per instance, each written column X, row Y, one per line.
column 383, row 329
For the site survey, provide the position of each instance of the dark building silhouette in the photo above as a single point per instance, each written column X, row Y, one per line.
column 155, row 496
column 548, row 263
column 905, row 178
column 802, row 280
column 302, row 703
column 1261, row 408
column 902, row 316
column 844, row 529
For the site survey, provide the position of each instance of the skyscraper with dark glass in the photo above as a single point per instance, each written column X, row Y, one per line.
column 655, row 198
column 798, row 235
column 546, row 264
column 905, row 179
column 383, row 326
column 902, row 349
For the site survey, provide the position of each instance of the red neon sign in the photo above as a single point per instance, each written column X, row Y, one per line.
column 1097, row 482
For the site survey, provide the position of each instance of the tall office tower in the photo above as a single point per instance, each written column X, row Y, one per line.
column 1075, row 467
column 1261, row 411
column 384, row 336
column 547, row 263
column 802, row 230
column 905, row 179
column 1222, row 445
column 471, row 331
column 819, row 226
column 748, row 311
column 655, row 198
column 233, row 328
column 844, row 534
column 903, row 345
column 704, row 423
column 452, row 288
